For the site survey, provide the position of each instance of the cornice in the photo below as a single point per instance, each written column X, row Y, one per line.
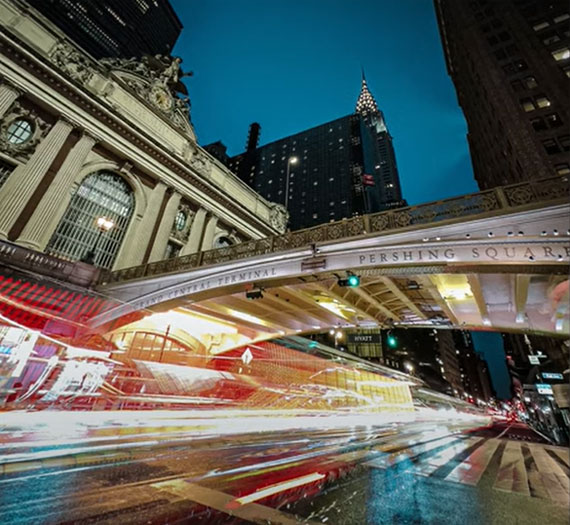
column 107, row 115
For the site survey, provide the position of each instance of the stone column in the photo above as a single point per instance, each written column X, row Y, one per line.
column 37, row 232
column 8, row 94
column 163, row 233
column 209, row 233
column 24, row 180
column 196, row 229
column 133, row 254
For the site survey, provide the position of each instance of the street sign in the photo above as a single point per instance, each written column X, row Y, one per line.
column 247, row 356
column 544, row 388
column 364, row 338
column 533, row 360
column 551, row 375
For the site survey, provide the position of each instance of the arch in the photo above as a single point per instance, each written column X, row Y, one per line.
column 223, row 240
column 102, row 193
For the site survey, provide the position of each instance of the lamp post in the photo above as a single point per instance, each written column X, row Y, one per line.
column 103, row 225
column 290, row 160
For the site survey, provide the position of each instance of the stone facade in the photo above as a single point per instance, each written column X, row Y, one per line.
column 65, row 117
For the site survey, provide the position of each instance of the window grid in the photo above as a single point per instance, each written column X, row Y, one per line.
column 101, row 194
column 19, row 131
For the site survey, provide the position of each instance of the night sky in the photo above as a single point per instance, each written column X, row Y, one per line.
column 294, row 64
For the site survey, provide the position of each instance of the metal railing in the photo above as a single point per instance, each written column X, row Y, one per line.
column 503, row 198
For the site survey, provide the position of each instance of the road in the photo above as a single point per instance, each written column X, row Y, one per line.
column 280, row 468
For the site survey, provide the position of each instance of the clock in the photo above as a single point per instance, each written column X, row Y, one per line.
column 161, row 98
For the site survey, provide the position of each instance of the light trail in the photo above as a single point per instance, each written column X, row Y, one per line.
column 275, row 489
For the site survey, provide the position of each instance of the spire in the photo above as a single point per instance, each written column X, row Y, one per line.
column 365, row 103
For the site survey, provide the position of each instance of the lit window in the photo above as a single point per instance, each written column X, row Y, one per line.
column 562, row 169
column 542, row 101
column 527, row 104
column 315, row 183
column 270, row 181
column 19, row 131
column 331, row 203
column 541, row 25
column 315, row 215
column 561, row 18
column 562, row 53
column 566, row 70
column 530, row 82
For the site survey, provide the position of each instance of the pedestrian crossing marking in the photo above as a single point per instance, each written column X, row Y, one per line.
column 443, row 457
column 470, row 471
column 524, row 468
column 512, row 476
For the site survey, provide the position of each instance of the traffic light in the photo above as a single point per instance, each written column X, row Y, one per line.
column 392, row 341
column 254, row 294
column 351, row 281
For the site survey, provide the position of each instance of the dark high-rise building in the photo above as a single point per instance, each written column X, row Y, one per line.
column 510, row 63
column 115, row 28
column 343, row 168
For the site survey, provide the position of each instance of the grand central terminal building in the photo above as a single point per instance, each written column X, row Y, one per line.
column 83, row 140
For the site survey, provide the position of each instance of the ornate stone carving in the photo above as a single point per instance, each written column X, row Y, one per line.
column 201, row 163
column 182, row 233
column 23, row 150
column 278, row 217
column 157, row 81
column 71, row 62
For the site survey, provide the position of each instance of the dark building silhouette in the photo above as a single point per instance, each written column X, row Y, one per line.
column 115, row 28
column 337, row 170
column 510, row 63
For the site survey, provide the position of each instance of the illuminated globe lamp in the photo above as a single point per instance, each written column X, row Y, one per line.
column 103, row 225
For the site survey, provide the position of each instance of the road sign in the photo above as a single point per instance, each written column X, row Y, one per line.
column 533, row 360
column 364, row 338
column 247, row 356
column 551, row 375
column 544, row 388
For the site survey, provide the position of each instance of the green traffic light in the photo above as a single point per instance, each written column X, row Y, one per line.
column 353, row 280
column 392, row 341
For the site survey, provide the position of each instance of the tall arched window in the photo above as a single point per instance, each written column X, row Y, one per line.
column 101, row 194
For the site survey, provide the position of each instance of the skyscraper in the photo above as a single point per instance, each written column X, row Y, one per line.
column 339, row 169
column 510, row 63
column 115, row 28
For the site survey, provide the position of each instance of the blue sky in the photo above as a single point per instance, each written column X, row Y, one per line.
column 294, row 64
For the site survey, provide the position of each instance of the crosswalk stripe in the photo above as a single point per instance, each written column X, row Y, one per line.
column 445, row 456
column 553, row 478
column 536, row 483
column 469, row 472
column 512, row 475
column 391, row 460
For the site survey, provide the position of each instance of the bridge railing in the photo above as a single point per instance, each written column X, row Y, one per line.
column 503, row 198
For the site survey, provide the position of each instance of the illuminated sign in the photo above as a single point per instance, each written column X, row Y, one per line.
column 544, row 388
column 551, row 375
column 533, row 360
column 364, row 338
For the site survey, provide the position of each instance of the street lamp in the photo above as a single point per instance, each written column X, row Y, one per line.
column 103, row 225
column 409, row 367
column 290, row 160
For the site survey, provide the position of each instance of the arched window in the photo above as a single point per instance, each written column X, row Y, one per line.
column 222, row 242
column 101, row 194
